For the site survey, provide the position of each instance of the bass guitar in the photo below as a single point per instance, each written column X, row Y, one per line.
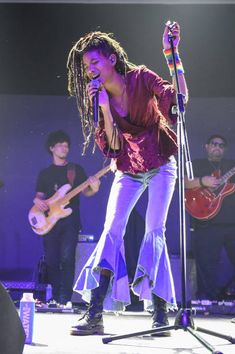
column 205, row 203
column 42, row 222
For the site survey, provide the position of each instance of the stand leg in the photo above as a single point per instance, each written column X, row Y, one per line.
column 106, row 340
column 203, row 341
column 215, row 334
column 183, row 321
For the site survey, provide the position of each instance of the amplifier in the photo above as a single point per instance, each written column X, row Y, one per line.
column 191, row 282
column 16, row 289
column 83, row 252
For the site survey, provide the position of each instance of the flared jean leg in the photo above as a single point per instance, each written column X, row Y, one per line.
column 109, row 252
column 153, row 273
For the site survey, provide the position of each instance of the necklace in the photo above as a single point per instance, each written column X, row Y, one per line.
column 119, row 103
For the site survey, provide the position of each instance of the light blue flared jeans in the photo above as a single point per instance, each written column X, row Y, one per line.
column 153, row 272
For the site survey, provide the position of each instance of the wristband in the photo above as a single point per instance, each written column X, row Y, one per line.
column 169, row 58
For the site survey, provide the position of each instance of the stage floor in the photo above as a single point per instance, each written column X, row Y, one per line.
column 51, row 336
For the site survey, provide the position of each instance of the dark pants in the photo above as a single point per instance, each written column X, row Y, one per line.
column 208, row 243
column 60, row 248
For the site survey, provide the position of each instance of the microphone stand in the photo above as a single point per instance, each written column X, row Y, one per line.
column 183, row 318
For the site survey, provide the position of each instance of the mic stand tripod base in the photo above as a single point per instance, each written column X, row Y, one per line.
column 183, row 321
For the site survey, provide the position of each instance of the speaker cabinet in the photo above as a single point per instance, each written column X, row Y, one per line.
column 191, row 284
column 12, row 335
column 83, row 252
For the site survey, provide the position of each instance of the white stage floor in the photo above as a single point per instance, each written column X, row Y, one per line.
column 51, row 336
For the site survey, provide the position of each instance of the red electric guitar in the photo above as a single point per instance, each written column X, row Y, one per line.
column 205, row 203
column 42, row 222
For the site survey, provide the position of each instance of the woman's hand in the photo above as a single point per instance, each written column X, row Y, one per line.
column 174, row 30
column 95, row 85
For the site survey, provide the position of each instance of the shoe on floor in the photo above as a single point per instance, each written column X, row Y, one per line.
column 67, row 306
column 92, row 320
column 163, row 333
column 88, row 325
column 160, row 317
column 52, row 304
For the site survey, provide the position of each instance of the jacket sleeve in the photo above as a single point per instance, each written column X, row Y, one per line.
column 164, row 92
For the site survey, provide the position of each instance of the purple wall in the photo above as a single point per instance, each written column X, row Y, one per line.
column 34, row 44
column 26, row 121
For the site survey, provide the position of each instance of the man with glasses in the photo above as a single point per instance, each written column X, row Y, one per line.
column 210, row 235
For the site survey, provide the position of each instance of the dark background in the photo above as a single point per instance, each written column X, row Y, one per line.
column 36, row 38
column 34, row 43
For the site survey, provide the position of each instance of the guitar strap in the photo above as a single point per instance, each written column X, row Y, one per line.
column 71, row 173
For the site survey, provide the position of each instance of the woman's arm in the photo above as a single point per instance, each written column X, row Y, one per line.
column 175, row 31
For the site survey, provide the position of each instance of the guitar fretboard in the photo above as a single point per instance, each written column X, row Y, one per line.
column 227, row 175
column 84, row 185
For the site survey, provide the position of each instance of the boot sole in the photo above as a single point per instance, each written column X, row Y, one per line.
column 79, row 332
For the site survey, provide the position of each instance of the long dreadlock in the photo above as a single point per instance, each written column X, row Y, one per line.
column 77, row 78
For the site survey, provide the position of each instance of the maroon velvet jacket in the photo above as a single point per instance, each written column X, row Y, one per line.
column 146, row 138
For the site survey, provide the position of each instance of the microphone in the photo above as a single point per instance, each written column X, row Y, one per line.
column 170, row 26
column 95, row 103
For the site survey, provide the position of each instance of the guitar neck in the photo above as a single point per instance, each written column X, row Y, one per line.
column 84, row 185
column 227, row 175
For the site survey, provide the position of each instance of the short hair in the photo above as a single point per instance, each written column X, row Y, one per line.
column 58, row 136
column 217, row 136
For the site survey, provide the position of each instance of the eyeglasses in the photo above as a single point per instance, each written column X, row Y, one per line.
column 220, row 145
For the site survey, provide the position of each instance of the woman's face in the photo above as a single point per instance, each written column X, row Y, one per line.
column 98, row 66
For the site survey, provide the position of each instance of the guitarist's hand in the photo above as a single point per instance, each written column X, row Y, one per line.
column 94, row 186
column 41, row 204
column 210, row 181
column 94, row 183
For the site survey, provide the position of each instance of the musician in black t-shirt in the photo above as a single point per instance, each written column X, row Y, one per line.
column 211, row 235
column 60, row 243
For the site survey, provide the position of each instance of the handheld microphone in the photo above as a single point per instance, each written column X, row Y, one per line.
column 95, row 103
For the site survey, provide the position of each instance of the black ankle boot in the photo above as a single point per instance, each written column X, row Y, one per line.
column 92, row 321
column 160, row 317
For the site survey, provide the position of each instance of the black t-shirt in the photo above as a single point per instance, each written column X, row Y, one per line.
column 53, row 177
column 226, row 215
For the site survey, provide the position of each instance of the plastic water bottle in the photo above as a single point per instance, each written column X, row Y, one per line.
column 27, row 310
